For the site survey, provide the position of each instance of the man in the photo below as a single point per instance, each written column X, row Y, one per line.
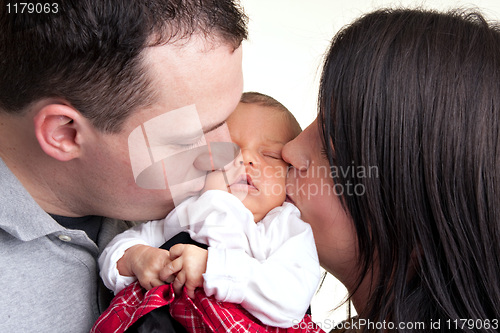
column 75, row 82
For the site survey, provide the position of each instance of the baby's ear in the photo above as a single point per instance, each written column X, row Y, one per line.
column 57, row 128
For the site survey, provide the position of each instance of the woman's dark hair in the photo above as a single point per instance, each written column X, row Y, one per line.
column 416, row 94
column 88, row 52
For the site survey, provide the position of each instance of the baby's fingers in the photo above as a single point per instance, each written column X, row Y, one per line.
column 150, row 283
column 177, row 250
column 179, row 282
column 168, row 272
column 190, row 291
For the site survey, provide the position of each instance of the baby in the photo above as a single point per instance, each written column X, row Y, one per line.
column 260, row 253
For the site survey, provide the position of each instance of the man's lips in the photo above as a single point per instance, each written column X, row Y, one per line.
column 243, row 182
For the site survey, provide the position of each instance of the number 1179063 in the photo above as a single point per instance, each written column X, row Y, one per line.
column 32, row 8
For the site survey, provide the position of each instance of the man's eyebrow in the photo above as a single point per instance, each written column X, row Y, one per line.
column 213, row 128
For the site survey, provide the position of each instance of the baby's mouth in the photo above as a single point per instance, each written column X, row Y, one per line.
column 243, row 182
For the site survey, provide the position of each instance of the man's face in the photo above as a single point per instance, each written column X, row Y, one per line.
column 154, row 157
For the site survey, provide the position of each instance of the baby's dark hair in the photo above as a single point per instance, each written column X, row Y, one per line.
column 252, row 97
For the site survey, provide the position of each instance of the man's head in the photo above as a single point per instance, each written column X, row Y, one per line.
column 260, row 126
column 90, row 53
column 77, row 82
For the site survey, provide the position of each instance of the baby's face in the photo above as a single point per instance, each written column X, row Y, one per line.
column 257, row 176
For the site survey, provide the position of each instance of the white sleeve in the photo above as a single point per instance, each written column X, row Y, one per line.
column 217, row 219
column 153, row 233
column 272, row 269
column 201, row 217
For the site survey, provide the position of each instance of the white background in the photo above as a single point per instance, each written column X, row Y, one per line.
column 283, row 58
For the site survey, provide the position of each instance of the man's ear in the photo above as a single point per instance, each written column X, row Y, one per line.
column 57, row 129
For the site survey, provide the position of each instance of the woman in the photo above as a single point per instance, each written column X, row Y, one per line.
column 399, row 176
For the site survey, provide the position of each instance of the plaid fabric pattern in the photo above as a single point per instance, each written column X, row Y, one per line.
column 129, row 305
column 199, row 315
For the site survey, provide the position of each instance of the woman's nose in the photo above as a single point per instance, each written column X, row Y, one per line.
column 296, row 153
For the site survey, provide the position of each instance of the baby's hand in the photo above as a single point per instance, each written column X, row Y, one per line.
column 189, row 262
column 145, row 263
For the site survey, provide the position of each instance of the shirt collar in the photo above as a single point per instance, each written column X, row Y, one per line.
column 20, row 215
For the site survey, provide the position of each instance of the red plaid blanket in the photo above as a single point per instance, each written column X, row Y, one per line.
column 199, row 315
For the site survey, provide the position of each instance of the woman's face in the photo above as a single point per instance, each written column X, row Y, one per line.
column 310, row 187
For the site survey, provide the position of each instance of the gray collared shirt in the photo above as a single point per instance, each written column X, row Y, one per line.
column 49, row 273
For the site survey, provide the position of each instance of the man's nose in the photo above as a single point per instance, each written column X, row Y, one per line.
column 220, row 150
column 216, row 156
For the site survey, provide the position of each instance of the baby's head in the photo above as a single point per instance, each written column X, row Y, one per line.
column 260, row 126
